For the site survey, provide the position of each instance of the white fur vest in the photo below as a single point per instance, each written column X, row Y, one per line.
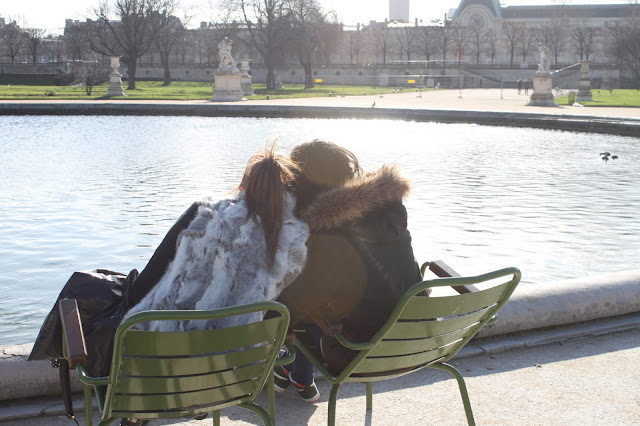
column 221, row 261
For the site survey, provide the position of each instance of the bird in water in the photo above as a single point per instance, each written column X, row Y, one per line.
column 606, row 156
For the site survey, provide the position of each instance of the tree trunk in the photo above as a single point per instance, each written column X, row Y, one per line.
column 167, row 73
column 132, row 66
column 308, row 76
column 271, row 78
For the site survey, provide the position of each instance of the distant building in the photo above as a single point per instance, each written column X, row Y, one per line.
column 571, row 31
column 399, row 10
column 489, row 12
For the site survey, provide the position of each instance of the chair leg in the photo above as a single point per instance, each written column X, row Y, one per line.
column 271, row 397
column 369, row 395
column 333, row 396
column 259, row 411
column 463, row 389
column 216, row 417
column 88, row 406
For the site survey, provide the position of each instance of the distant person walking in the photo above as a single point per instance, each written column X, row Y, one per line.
column 519, row 85
column 526, row 86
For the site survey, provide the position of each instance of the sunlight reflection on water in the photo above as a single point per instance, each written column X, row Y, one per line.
column 87, row 192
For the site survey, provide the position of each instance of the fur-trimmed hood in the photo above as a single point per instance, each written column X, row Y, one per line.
column 340, row 206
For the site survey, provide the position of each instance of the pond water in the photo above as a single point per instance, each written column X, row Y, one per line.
column 101, row 192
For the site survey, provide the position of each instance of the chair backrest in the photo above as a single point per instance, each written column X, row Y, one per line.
column 168, row 374
column 423, row 330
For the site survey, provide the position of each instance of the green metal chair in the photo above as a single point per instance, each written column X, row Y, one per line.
column 175, row 374
column 421, row 332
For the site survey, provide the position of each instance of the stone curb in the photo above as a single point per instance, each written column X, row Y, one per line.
column 572, row 301
column 534, row 307
column 576, row 123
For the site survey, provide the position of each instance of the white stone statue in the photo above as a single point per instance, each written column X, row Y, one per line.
column 224, row 51
column 544, row 65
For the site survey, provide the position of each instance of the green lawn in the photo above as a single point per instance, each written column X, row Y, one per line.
column 179, row 90
column 613, row 98
column 184, row 90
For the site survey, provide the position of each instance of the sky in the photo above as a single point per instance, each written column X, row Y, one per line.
column 50, row 14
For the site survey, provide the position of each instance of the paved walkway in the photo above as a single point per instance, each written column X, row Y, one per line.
column 496, row 100
column 587, row 381
column 493, row 100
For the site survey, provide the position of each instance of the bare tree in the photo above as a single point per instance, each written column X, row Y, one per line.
column 76, row 41
column 427, row 39
column 34, row 38
column 53, row 45
column 546, row 35
column 527, row 42
column 478, row 38
column 615, row 41
column 92, row 73
column 268, row 23
column 512, row 33
column 444, row 38
column 584, row 40
column 306, row 18
column 493, row 43
column 459, row 40
column 329, row 37
column 165, row 41
column 356, row 45
column 632, row 53
column 13, row 40
column 631, row 42
column 407, row 41
column 379, row 37
column 133, row 33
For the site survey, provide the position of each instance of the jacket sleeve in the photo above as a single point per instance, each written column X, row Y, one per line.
column 161, row 258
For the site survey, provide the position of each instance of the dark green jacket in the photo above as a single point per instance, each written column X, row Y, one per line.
column 360, row 258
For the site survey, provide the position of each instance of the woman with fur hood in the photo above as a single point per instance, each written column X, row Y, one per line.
column 360, row 259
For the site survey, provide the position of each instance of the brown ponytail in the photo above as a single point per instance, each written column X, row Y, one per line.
column 265, row 181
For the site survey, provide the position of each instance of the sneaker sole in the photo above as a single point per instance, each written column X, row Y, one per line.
column 312, row 400
column 279, row 388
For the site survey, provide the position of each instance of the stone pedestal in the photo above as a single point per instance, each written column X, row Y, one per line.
column 542, row 94
column 245, row 81
column 228, row 87
column 115, row 79
column 584, row 85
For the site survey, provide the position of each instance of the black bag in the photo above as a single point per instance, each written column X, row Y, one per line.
column 102, row 301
